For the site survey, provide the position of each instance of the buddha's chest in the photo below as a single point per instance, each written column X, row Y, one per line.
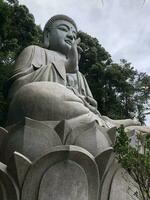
column 72, row 80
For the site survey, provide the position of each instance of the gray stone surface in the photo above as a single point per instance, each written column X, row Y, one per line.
column 107, row 180
column 67, row 172
column 22, row 165
column 102, row 161
column 123, row 187
column 112, row 134
column 31, row 138
column 8, row 187
column 90, row 136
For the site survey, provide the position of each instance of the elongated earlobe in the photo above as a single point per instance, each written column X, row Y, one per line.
column 46, row 40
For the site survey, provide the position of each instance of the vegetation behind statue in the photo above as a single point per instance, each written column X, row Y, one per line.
column 136, row 160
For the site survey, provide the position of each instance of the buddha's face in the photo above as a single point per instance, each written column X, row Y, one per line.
column 61, row 36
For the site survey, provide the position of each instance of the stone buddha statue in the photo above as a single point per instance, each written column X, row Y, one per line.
column 47, row 84
column 54, row 127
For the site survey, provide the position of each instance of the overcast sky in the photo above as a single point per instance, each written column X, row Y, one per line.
column 121, row 26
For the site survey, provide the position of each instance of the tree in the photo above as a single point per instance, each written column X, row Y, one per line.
column 120, row 90
column 136, row 163
column 18, row 30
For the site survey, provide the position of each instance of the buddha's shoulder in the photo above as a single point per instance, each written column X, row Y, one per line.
column 39, row 50
column 34, row 48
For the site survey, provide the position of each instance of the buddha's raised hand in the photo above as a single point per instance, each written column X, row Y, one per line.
column 73, row 58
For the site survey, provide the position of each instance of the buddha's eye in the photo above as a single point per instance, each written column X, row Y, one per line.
column 63, row 28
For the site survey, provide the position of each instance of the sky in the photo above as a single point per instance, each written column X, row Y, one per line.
column 121, row 26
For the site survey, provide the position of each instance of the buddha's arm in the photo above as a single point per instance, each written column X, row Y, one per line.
column 23, row 64
column 124, row 122
column 24, row 60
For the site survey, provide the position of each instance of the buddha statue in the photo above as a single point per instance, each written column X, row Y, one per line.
column 47, row 84
column 63, row 132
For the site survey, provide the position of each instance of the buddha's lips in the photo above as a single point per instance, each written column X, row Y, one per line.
column 68, row 42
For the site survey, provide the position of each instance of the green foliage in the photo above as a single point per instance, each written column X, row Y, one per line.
column 136, row 163
column 93, row 53
column 121, row 91
column 18, row 30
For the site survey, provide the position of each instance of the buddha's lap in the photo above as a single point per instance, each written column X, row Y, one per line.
column 45, row 101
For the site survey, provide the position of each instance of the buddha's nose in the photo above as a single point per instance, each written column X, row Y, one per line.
column 70, row 35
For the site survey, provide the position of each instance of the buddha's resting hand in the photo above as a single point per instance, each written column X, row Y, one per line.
column 90, row 103
column 73, row 58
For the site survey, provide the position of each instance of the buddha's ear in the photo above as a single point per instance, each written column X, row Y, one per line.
column 46, row 39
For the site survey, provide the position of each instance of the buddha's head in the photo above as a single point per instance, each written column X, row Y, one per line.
column 59, row 33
